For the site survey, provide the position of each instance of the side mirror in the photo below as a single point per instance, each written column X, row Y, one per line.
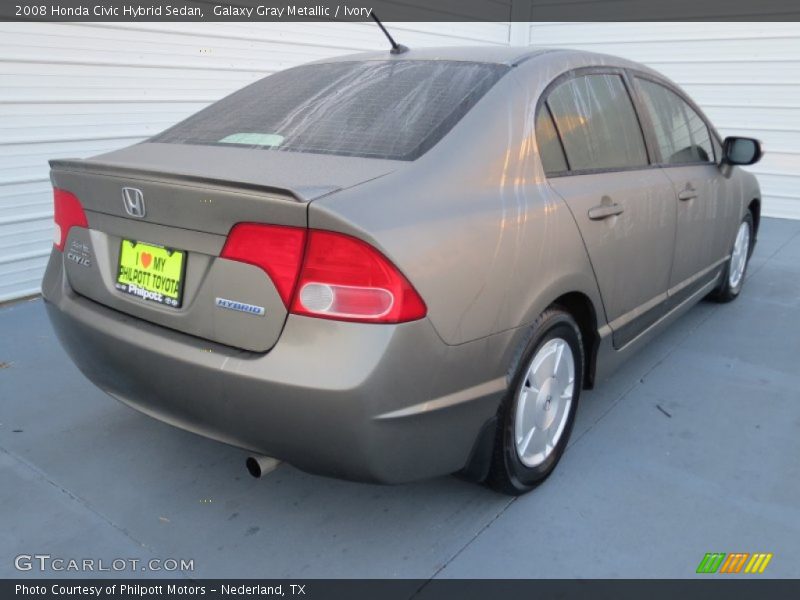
column 741, row 151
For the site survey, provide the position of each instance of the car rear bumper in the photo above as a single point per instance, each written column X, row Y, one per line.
column 383, row 403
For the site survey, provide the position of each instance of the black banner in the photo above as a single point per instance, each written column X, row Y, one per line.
column 406, row 10
column 382, row 589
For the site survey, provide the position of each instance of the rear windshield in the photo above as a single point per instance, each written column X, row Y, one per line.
column 377, row 109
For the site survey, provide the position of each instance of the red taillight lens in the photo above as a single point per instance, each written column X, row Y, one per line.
column 326, row 274
column 346, row 279
column 67, row 213
column 276, row 249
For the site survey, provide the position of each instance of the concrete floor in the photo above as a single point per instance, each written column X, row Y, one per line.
column 638, row 493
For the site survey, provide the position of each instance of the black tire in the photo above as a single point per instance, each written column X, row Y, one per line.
column 507, row 473
column 725, row 292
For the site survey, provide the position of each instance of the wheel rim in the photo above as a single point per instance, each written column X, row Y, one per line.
column 544, row 401
column 739, row 256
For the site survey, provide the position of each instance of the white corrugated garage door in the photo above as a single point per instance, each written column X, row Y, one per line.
column 745, row 76
column 74, row 90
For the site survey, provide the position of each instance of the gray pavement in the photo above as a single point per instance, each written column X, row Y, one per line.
column 638, row 493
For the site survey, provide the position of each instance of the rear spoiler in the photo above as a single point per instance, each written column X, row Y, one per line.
column 299, row 194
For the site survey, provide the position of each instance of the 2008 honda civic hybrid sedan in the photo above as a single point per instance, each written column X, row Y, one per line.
column 386, row 267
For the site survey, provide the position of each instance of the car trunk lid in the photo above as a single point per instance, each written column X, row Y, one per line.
column 191, row 199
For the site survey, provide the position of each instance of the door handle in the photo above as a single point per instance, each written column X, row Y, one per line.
column 604, row 211
column 688, row 194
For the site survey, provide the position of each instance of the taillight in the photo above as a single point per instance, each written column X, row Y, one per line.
column 67, row 213
column 276, row 249
column 326, row 274
column 346, row 279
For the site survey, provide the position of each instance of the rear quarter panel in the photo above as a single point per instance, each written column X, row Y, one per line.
column 473, row 223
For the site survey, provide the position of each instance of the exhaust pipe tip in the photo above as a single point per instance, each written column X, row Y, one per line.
column 258, row 466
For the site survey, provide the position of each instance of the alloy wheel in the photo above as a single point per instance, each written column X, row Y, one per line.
column 544, row 401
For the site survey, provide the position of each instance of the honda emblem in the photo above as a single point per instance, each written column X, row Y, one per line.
column 133, row 200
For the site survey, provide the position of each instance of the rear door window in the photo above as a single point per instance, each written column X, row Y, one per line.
column 595, row 117
column 681, row 134
column 378, row 109
column 550, row 150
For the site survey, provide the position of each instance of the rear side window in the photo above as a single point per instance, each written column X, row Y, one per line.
column 598, row 126
column 681, row 134
column 377, row 109
column 550, row 149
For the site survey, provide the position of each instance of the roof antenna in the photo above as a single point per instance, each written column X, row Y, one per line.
column 396, row 48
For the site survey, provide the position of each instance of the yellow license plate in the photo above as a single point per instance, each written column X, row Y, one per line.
column 151, row 272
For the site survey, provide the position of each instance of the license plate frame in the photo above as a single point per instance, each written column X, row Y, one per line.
column 148, row 271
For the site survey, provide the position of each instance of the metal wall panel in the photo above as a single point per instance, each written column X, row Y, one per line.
column 745, row 76
column 78, row 89
column 75, row 89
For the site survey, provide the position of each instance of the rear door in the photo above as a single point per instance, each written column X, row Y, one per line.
column 624, row 208
column 684, row 147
